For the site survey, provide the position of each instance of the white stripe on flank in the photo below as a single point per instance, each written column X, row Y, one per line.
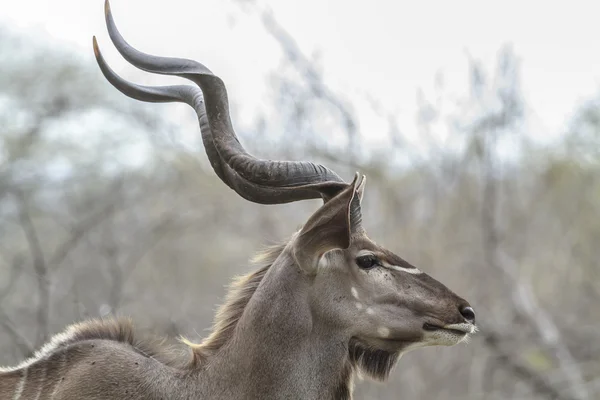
column 20, row 386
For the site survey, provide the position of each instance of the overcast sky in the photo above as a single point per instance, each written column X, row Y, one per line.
column 385, row 48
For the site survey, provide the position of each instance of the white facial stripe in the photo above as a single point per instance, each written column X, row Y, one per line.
column 414, row 271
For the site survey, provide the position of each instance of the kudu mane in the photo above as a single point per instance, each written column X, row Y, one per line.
column 240, row 292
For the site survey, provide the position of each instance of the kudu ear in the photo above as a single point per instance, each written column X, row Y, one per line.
column 330, row 227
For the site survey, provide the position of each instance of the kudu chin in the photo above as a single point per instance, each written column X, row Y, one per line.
column 321, row 308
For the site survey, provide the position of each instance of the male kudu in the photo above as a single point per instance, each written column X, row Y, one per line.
column 327, row 305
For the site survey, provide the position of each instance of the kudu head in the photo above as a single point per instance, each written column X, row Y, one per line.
column 383, row 304
column 379, row 303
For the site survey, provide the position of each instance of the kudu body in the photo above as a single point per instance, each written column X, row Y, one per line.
column 327, row 305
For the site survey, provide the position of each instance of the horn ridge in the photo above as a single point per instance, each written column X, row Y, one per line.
column 269, row 181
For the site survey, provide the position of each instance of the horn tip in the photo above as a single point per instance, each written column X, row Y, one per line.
column 95, row 45
column 107, row 8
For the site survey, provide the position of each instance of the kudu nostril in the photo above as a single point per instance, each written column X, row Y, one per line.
column 468, row 313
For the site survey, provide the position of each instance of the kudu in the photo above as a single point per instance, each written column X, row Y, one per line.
column 327, row 305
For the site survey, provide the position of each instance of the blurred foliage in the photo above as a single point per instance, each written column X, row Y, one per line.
column 96, row 218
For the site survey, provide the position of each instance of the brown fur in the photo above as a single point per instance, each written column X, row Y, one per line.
column 9, row 381
column 120, row 329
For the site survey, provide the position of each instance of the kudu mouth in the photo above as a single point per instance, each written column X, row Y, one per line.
column 461, row 329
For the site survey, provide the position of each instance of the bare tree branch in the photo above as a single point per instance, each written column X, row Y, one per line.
column 524, row 300
column 526, row 303
column 506, row 361
column 15, row 272
column 121, row 274
column 78, row 233
column 22, row 343
column 40, row 267
column 317, row 85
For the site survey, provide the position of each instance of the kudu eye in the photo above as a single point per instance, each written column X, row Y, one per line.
column 367, row 262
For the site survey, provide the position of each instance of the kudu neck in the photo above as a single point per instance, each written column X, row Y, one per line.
column 278, row 351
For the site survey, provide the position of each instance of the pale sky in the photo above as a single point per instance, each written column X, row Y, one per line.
column 388, row 49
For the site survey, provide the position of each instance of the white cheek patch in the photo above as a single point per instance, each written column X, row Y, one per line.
column 383, row 331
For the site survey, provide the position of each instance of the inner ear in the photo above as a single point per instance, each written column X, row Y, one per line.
column 330, row 227
column 360, row 189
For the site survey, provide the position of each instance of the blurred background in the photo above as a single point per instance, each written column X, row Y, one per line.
column 477, row 124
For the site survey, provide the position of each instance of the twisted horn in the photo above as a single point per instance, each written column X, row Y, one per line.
column 257, row 180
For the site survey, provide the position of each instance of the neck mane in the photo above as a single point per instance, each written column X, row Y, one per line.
column 228, row 315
